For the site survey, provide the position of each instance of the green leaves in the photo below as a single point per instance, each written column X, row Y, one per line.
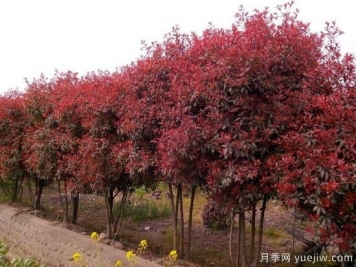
column 3, row 248
column 16, row 261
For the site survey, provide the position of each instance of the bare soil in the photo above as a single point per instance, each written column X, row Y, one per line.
column 209, row 246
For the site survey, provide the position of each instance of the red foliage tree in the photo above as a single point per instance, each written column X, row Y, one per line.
column 155, row 125
column 40, row 146
column 95, row 104
column 319, row 168
column 263, row 109
column 13, row 124
column 66, row 130
column 233, row 95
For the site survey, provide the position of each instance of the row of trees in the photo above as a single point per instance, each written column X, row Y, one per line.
column 265, row 109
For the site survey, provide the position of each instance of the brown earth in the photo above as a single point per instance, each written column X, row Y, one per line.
column 54, row 246
column 209, row 246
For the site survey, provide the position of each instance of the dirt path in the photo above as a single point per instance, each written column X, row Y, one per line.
column 28, row 235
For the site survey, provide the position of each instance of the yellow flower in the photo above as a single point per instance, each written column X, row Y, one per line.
column 94, row 236
column 77, row 257
column 172, row 257
column 173, row 254
column 118, row 263
column 130, row 255
column 142, row 246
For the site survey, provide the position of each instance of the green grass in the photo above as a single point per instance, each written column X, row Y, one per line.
column 273, row 233
column 147, row 210
column 169, row 235
column 3, row 196
column 140, row 193
column 275, row 237
column 16, row 261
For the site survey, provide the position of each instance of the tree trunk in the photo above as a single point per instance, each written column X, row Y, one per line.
column 253, row 235
column 66, row 201
column 174, row 215
column 109, row 199
column 190, row 221
column 32, row 198
column 232, row 224
column 38, row 198
column 60, row 195
column 111, row 204
column 181, row 221
column 20, row 192
column 120, row 215
column 260, row 232
column 243, row 238
column 40, row 185
column 238, row 246
column 75, row 203
column 16, row 189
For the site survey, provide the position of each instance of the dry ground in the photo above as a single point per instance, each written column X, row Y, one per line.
column 209, row 246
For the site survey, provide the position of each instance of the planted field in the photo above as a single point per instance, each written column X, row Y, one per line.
column 148, row 217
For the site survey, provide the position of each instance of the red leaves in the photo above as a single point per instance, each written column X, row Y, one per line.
column 350, row 199
column 286, row 189
column 330, row 187
column 13, row 122
column 263, row 109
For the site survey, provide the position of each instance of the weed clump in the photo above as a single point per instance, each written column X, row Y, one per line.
column 214, row 216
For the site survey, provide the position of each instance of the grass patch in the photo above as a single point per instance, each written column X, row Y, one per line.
column 4, row 198
column 276, row 237
column 16, row 261
column 169, row 235
column 5, row 189
column 148, row 210
column 273, row 233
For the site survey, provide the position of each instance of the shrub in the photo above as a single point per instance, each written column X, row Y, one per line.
column 214, row 216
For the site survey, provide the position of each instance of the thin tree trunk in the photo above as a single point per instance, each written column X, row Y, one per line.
column 253, row 234
column 66, row 201
column 260, row 232
column 109, row 230
column 16, row 188
column 40, row 185
column 110, row 198
column 174, row 214
column 75, row 203
column 190, row 221
column 31, row 193
column 60, row 195
column 120, row 216
column 181, row 221
column 238, row 246
column 120, row 212
column 20, row 191
column 232, row 224
column 109, row 227
column 243, row 238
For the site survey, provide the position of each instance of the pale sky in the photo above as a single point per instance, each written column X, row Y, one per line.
column 40, row 36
